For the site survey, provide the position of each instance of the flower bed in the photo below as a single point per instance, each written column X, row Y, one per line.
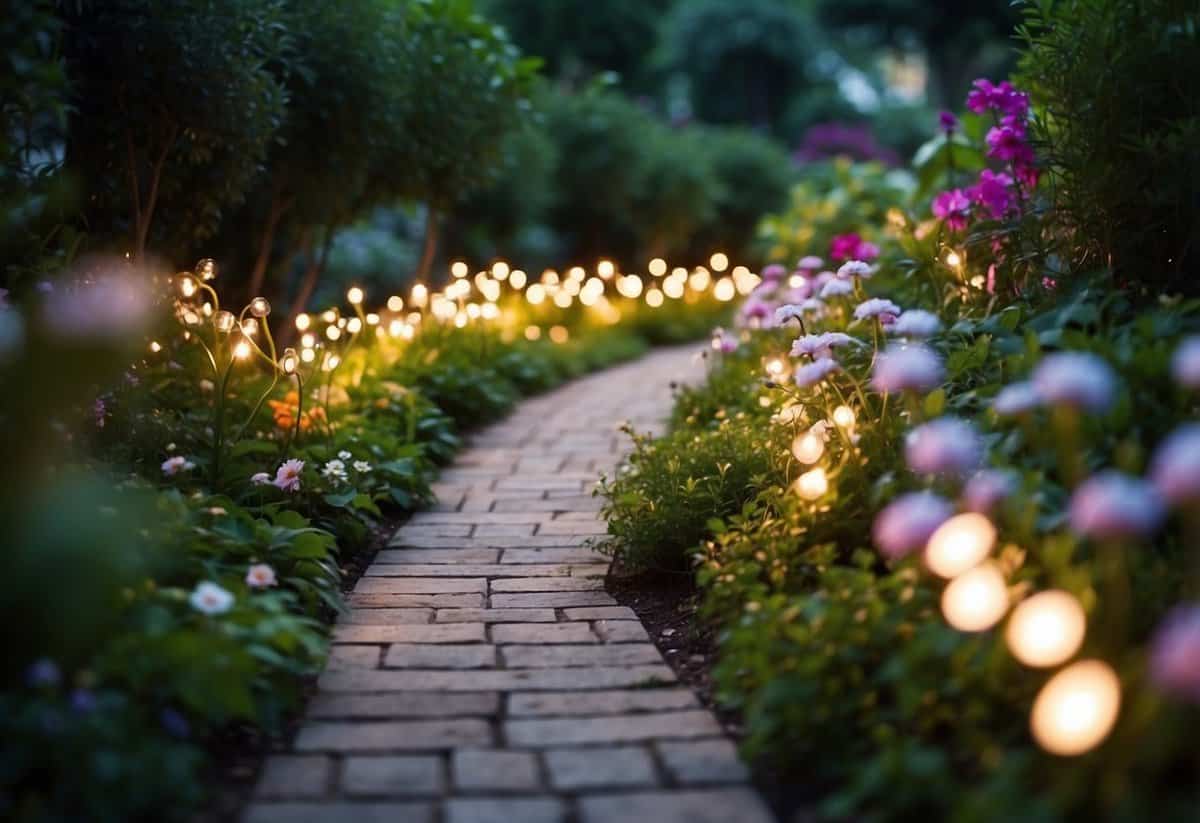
column 187, row 491
column 940, row 499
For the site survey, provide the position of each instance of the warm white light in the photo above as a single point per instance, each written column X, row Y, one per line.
column 500, row 270
column 329, row 316
column 1077, row 708
column 395, row 303
column 976, row 600
column 605, row 269
column 843, row 416
column 775, row 367
column 249, row 327
column 532, row 332
column 518, row 279
column 719, row 262
column 725, row 290
column 673, row 287
column 332, row 362
column 460, row 319
column 535, row 294
column 654, row 298
column 458, row 269
column 657, row 267
column 354, row 295
column 308, row 355
column 576, row 273
column 808, row 447
column 333, row 332
column 187, row 285
column 289, row 361
column 700, row 280
column 490, row 311
column 155, row 346
column 419, row 296
column 372, row 319
column 354, row 325
column 953, row 259
column 959, row 544
column 558, row 334
column 812, row 484
column 308, row 340
column 795, row 281
column 303, row 321
column 259, row 307
column 242, row 350
column 630, row 286
column 224, row 321
column 1046, row 629
column 563, row 300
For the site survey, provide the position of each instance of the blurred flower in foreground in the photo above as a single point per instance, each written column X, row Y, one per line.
column 1114, row 506
column 916, row 323
column 907, row 368
column 906, row 524
column 988, row 489
column 854, row 268
column 260, row 576
column 260, row 479
column 818, row 346
column 812, row 373
column 884, row 310
column 1175, row 654
column 1185, row 363
column 111, row 301
column 1175, row 469
column 1016, row 398
column 1076, row 379
column 209, row 598
column 947, row 446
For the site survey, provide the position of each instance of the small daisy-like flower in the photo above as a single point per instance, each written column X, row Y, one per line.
column 1175, row 469
column 907, row 368
column 334, row 470
column 916, row 323
column 209, row 598
column 854, row 268
column 1115, row 506
column 362, row 466
column 260, row 479
column 288, row 476
column 906, row 524
column 260, row 576
column 836, row 288
column 344, row 455
column 813, row 373
column 885, row 310
column 174, row 465
column 1175, row 654
column 1185, row 363
column 1077, row 379
column 789, row 312
column 1016, row 398
column 946, row 446
column 819, row 346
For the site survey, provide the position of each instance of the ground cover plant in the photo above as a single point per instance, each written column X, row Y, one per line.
column 953, row 573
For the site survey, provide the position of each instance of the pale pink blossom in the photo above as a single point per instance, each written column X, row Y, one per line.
column 987, row 489
column 1175, row 469
column 1077, row 379
column 209, row 598
column 810, row 263
column 1115, row 506
column 912, row 367
column 288, row 476
column 260, row 576
column 836, row 288
column 773, row 272
column 791, row 311
column 260, row 479
column 822, row 345
column 884, row 310
column 916, row 323
column 905, row 525
column 1175, row 654
column 174, row 465
column 946, row 446
column 1185, row 363
column 854, row 268
column 1016, row 398
column 812, row 373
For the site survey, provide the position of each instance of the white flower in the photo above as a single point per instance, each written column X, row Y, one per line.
column 946, row 446
column 174, row 465
column 209, row 598
column 836, row 288
column 854, row 268
column 1175, row 469
column 260, row 479
column 1077, row 379
column 907, row 368
column 916, row 323
column 260, row 576
column 885, row 310
column 217, row 511
column 1185, row 363
column 1114, row 506
column 812, row 373
column 788, row 312
column 1016, row 398
column 344, row 455
column 206, row 385
column 335, row 470
column 362, row 466
column 818, row 346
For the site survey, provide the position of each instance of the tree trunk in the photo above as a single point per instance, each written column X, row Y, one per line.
column 429, row 248
column 144, row 215
column 312, row 273
column 259, row 273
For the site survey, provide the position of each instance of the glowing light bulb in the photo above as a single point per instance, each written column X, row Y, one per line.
column 605, row 269
column 976, row 600
column 535, row 294
column 249, row 327
column 224, row 321
column 718, row 262
column 959, row 544
column 206, row 269
column 289, row 361
column 308, row 340
column 155, row 346
column 1077, row 708
column 259, row 307
column 395, row 303
column 333, row 332
column 308, row 355
column 630, row 286
column 500, row 270
column 354, row 325
column 329, row 316
column 187, row 285
column 725, row 290
column 953, row 259
column 303, row 321
column 532, row 332
column 775, row 367
column 657, row 267
column 458, row 269
column 812, row 484
column 808, row 447
column 242, row 350
column 518, row 279
column 563, row 300
column 559, row 334
column 673, row 286
column 1046, row 629
column 354, row 295
column 843, row 416
column 419, row 296
column 654, row 298
column 332, row 362
column 699, row 280
column 372, row 319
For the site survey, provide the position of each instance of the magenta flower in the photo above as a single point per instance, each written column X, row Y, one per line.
column 953, row 207
column 754, row 309
column 1115, row 506
column 1175, row 654
column 946, row 446
column 1002, row 98
column 993, row 192
column 1175, row 469
column 852, row 247
column 905, row 525
column 948, row 122
column 1008, row 144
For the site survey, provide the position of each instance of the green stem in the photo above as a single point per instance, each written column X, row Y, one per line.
column 219, row 428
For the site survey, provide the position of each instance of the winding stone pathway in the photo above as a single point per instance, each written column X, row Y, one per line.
column 483, row 674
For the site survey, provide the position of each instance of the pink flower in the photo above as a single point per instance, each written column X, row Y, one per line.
column 854, row 268
column 810, row 263
column 818, row 346
column 1115, row 506
column 773, row 272
column 1008, row 144
column 174, row 465
column 907, row 368
column 851, row 246
column 953, row 208
column 946, row 446
column 1077, row 379
column 1027, row 176
column 866, row 251
column 836, row 288
column 756, row 309
column 992, row 192
column 1002, row 98
column 1175, row 654
column 113, row 302
column 948, row 122
column 905, row 525
column 791, row 311
column 987, row 489
column 1016, row 398
column 260, row 576
column 1185, row 363
column 288, row 476
column 813, row 373
column 1175, row 469
column 884, row 310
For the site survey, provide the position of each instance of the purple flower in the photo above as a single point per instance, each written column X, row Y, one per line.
column 1008, row 144
column 111, row 304
column 852, row 247
column 818, row 346
column 791, row 311
column 987, row 489
column 1016, row 398
column 260, row 479
column 773, row 272
column 83, row 701
column 916, row 323
column 1077, row 379
column 1175, row 469
column 1001, row 98
column 1175, row 654
column 1185, row 363
column 946, row 446
column 754, row 309
column 907, row 368
column 885, row 310
column 810, row 263
column 175, row 724
column 100, row 411
column 948, row 122
column 43, row 673
column 836, row 288
column 953, row 207
column 1115, row 506
column 813, row 373
column 993, row 192
column 288, row 475
column 905, row 525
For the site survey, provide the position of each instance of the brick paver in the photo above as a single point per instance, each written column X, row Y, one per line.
column 484, row 674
